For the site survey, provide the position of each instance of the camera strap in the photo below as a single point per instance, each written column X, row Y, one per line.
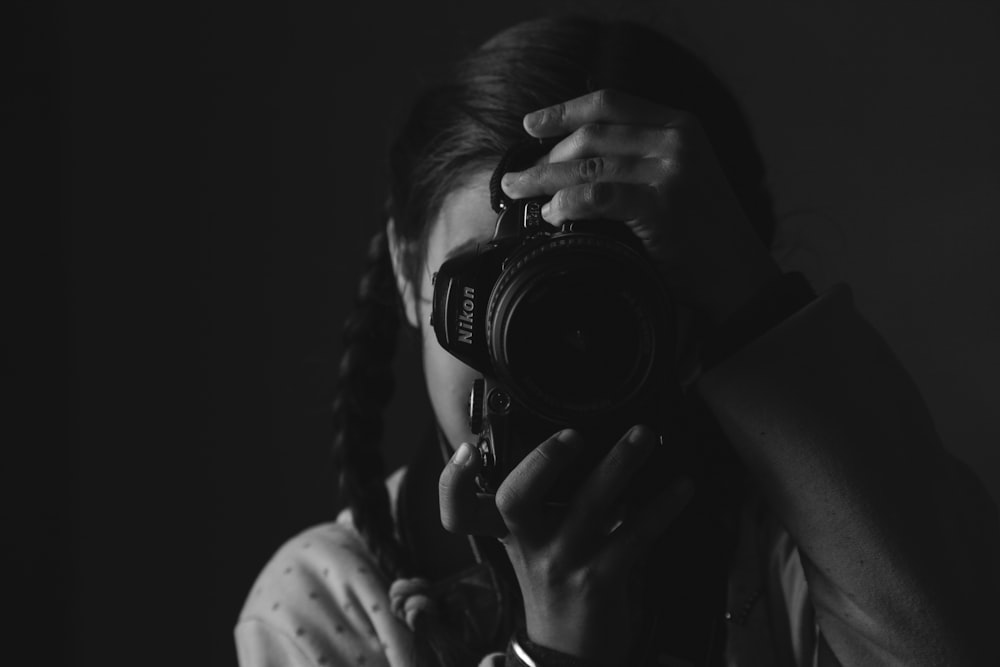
column 520, row 156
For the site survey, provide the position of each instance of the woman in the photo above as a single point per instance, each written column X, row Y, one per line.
column 833, row 528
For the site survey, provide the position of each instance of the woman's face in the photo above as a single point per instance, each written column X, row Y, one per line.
column 466, row 217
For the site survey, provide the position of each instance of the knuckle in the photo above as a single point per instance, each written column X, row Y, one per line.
column 584, row 137
column 599, row 195
column 560, row 201
column 605, row 99
column 591, row 168
column 671, row 139
column 670, row 167
column 533, row 175
column 556, row 114
column 589, row 133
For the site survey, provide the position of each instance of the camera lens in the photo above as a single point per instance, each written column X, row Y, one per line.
column 576, row 328
column 578, row 339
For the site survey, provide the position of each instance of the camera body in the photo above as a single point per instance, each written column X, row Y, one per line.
column 570, row 327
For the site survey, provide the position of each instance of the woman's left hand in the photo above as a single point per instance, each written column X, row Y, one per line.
column 653, row 168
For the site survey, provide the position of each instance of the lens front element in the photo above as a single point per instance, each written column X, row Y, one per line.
column 577, row 326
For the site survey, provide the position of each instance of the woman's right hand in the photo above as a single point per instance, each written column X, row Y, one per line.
column 573, row 564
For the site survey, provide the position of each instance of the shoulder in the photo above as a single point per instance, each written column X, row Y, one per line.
column 321, row 600
column 393, row 484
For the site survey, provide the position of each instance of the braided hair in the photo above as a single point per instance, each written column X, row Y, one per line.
column 465, row 123
column 365, row 387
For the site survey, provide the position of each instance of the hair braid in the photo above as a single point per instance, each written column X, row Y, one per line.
column 364, row 388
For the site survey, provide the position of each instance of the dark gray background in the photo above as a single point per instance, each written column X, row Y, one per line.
column 178, row 274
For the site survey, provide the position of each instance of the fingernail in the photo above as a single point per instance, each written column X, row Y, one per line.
column 546, row 208
column 535, row 119
column 638, row 434
column 508, row 180
column 567, row 435
column 463, row 455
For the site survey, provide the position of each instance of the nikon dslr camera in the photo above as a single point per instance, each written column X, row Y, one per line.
column 570, row 327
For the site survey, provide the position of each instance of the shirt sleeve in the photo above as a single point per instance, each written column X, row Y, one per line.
column 321, row 601
column 837, row 434
column 259, row 644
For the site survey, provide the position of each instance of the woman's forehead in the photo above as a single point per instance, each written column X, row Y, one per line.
column 465, row 215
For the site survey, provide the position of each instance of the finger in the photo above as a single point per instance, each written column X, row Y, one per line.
column 463, row 508
column 604, row 487
column 602, row 106
column 521, row 494
column 601, row 200
column 634, row 537
column 401, row 589
column 416, row 605
column 597, row 139
column 551, row 177
column 617, row 139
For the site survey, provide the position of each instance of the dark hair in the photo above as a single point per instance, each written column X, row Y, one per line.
column 464, row 124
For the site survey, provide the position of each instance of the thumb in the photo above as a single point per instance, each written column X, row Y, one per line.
column 463, row 508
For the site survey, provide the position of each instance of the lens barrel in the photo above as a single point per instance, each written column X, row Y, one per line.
column 576, row 326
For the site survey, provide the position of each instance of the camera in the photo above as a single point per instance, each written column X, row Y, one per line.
column 570, row 327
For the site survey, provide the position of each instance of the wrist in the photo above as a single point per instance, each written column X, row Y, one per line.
column 583, row 631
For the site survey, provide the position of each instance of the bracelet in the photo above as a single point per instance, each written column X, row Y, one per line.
column 520, row 655
column 775, row 302
column 522, row 652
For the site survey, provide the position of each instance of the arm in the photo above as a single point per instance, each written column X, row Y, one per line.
column 899, row 549
column 900, row 546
